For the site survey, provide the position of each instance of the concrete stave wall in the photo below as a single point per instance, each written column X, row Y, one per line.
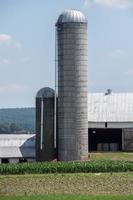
column 47, row 153
column 72, row 91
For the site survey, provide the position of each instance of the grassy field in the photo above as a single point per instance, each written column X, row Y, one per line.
column 111, row 156
column 67, row 184
column 69, row 197
column 78, row 186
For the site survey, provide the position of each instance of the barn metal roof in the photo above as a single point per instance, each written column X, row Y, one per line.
column 17, row 145
column 114, row 107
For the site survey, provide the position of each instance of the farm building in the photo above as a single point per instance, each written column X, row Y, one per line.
column 110, row 121
column 110, row 128
column 16, row 148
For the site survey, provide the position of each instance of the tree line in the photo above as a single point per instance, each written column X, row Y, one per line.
column 17, row 120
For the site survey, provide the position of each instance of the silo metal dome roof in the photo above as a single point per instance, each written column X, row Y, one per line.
column 45, row 92
column 71, row 16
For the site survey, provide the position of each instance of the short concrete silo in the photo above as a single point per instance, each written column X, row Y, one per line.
column 71, row 31
column 45, row 125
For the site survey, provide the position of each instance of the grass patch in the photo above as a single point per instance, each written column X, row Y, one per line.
column 112, row 156
column 67, row 184
column 69, row 197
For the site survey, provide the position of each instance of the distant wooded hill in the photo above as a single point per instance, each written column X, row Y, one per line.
column 17, row 120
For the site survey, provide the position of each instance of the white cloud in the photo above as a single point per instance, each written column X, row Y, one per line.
column 5, row 39
column 25, row 59
column 8, row 40
column 118, row 53
column 5, row 61
column 129, row 72
column 115, row 3
column 87, row 3
column 12, row 88
column 122, row 4
column 17, row 45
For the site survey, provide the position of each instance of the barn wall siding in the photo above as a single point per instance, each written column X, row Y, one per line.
column 13, row 160
column 128, row 139
column 110, row 124
column 96, row 125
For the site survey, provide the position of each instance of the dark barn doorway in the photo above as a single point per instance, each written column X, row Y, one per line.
column 4, row 160
column 105, row 139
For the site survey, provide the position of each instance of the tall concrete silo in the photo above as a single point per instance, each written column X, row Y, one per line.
column 71, row 31
column 45, row 125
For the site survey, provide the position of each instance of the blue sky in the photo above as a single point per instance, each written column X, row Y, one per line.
column 27, row 40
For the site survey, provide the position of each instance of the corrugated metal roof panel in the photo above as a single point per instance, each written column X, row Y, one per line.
column 17, row 152
column 17, row 140
column 71, row 16
column 17, row 146
column 115, row 107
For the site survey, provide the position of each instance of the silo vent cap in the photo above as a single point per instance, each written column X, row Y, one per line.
column 71, row 16
column 108, row 92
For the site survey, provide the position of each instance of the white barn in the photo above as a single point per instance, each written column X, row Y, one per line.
column 110, row 121
column 16, row 148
